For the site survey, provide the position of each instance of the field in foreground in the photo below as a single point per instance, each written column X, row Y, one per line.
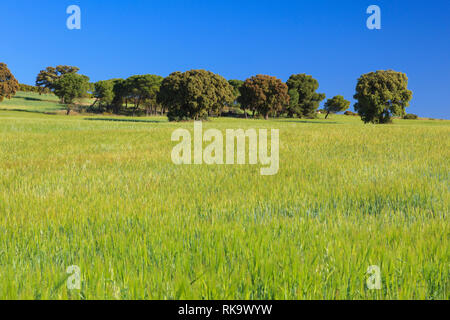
column 105, row 196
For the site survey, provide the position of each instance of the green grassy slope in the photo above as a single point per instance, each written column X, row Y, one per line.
column 33, row 102
column 104, row 195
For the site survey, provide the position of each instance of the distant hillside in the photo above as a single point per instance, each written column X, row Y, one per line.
column 32, row 102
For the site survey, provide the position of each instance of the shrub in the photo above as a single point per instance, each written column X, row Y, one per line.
column 411, row 116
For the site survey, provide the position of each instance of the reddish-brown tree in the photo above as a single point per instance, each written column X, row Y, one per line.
column 8, row 84
column 264, row 94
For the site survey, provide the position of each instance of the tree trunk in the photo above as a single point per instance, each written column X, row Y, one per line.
column 326, row 117
column 92, row 105
column 384, row 118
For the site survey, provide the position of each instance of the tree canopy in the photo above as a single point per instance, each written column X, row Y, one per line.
column 104, row 93
column 336, row 104
column 8, row 84
column 140, row 90
column 48, row 77
column 237, row 84
column 304, row 99
column 143, row 90
column 120, row 90
column 381, row 95
column 264, row 94
column 71, row 86
column 194, row 94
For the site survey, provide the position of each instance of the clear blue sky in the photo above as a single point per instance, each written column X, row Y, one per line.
column 237, row 39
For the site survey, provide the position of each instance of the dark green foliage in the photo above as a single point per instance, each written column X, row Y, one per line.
column 139, row 92
column 47, row 78
column 236, row 84
column 336, row 104
column 104, row 94
column 411, row 116
column 264, row 94
column 194, row 94
column 143, row 90
column 70, row 87
column 304, row 99
column 381, row 95
column 8, row 84
column 28, row 88
column 120, row 90
column 293, row 108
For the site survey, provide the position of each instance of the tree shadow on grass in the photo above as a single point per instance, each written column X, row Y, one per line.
column 123, row 120
column 29, row 98
column 30, row 111
column 307, row 121
column 33, row 99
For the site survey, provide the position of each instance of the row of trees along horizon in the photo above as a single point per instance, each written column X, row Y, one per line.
column 199, row 94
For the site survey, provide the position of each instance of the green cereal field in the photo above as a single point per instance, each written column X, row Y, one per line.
column 102, row 193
